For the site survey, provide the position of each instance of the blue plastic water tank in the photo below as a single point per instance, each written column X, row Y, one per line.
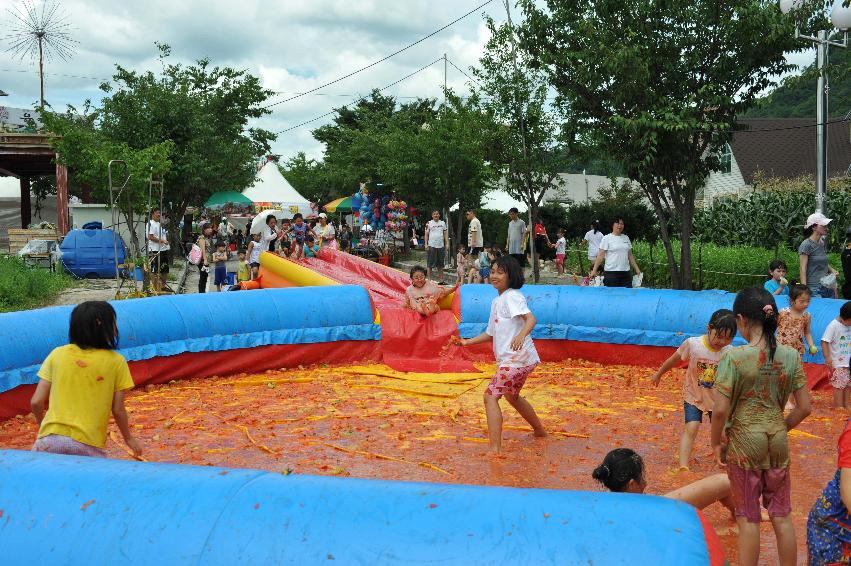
column 91, row 253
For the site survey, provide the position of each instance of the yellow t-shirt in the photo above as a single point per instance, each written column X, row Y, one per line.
column 243, row 274
column 82, row 384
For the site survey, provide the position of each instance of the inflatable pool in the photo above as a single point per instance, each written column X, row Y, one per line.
column 66, row 510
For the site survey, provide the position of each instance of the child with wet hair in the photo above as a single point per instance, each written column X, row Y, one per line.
column 423, row 295
column 752, row 386
column 703, row 354
column 622, row 471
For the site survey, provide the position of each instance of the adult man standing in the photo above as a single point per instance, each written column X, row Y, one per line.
column 157, row 250
column 436, row 241
column 475, row 240
column 516, row 232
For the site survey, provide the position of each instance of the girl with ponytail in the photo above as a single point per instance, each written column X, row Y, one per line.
column 622, row 471
column 752, row 386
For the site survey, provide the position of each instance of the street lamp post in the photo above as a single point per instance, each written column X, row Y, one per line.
column 840, row 17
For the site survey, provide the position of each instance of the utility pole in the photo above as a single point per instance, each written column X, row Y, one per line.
column 444, row 79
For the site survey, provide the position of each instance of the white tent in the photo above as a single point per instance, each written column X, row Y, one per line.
column 271, row 188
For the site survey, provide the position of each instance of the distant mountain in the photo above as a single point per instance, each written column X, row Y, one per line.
column 796, row 96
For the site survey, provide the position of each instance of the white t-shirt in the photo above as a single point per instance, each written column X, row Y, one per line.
column 561, row 246
column 617, row 252
column 593, row 238
column 156, row 230
column 504, row 324
column 839, row 337
column 267, row 236
column 474, row 236
column 434, row 233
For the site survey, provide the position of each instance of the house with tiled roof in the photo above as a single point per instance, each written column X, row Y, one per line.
column 777, row 147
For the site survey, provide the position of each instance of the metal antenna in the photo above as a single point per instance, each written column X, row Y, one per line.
column 40, row 30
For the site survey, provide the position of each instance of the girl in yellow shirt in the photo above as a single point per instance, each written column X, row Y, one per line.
column 83, row 381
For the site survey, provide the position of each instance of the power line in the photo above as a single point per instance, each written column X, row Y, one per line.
column 463, row 73
column 423, row 68
column 52, row 74
column 374, row 63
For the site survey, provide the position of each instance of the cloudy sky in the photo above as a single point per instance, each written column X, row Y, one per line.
column 292, row 45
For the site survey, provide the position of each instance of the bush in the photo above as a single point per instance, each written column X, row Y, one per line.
column 730, row 268
column 23, row 287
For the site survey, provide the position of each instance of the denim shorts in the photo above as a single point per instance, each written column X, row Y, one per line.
column 693, row 414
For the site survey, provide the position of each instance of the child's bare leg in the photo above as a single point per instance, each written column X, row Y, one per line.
column 687, row 442
column 748, row 542
column 838, row 398
column 526, row 411
column 787, row 548
column 494, row 415
column 847, row 397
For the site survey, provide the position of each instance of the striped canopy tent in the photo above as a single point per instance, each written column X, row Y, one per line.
column 342, row 204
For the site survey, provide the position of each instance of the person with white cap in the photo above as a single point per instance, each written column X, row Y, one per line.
column 325, row 233
column 815, row 267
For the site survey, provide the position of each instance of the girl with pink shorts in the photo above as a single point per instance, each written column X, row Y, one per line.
column 509, row 327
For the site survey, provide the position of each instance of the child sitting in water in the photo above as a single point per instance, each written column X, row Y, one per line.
column 423, row 295
column 703, row 354
column 83, row 381
column 622, row 471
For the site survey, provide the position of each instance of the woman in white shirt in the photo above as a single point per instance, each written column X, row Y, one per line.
column 593, row 237
column 616, row 252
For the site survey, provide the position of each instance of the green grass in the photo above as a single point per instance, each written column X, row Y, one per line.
column 23, row 287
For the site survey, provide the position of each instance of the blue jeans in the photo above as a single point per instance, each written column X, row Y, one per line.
column 693, row 414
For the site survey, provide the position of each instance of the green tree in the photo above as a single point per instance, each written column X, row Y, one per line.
column 87, row 151
column 658, row 86
column 204, row 110
column 432, row 155
column 528, row 149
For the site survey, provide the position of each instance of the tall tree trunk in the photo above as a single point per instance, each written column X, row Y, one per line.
column 662, row 216
column 687, row 227
column 536, row 253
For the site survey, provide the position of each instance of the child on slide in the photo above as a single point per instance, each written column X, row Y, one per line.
column 510, row 327
column 703, row 354
column 84, row 381
column 423, row 295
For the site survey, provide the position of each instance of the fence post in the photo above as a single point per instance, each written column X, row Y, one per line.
column 650, row 248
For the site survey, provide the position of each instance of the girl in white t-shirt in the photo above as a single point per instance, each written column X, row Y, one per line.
column 510, row 326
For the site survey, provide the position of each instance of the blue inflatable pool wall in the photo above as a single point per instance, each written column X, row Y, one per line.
column 86, row 511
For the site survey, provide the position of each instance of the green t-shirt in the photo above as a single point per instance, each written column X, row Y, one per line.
column 758, row 392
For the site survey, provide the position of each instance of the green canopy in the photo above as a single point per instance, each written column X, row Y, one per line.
column 222, row 199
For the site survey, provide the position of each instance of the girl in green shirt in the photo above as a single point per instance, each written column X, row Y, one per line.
column 752, row 386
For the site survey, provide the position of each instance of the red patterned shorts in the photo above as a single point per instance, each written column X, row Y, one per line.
column 509, row 380
column 773, row 486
